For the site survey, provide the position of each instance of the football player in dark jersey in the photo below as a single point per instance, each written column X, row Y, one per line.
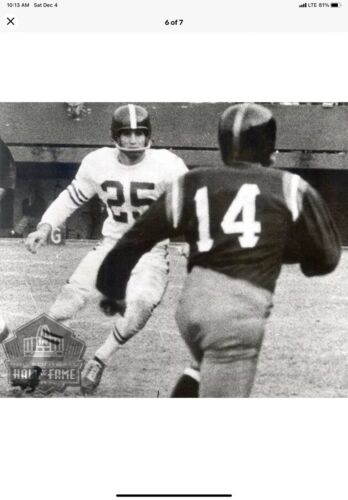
column 7, row 182
column 242, row 221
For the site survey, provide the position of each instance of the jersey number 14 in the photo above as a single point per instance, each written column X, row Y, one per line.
column 244, row 204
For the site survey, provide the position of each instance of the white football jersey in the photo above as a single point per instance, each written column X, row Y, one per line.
column 126, row 190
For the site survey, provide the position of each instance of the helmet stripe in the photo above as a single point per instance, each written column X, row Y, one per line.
column 237, row 128
column 132, row 116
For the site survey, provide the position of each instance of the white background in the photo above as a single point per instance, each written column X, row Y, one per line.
column 92, row 449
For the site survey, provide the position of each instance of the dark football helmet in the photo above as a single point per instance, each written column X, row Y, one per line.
column 131, row 117
column 247, row 132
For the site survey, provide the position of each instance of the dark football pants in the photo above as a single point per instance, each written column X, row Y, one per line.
column 222, row 320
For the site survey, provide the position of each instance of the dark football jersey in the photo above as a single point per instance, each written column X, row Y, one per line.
column 7, row 168
column 244, row 221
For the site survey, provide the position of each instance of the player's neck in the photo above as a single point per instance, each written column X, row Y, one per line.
column 130, row 158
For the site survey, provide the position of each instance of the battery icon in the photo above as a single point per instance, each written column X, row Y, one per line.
column 335, row 4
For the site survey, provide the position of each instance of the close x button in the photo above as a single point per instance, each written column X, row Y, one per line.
column 10, row 21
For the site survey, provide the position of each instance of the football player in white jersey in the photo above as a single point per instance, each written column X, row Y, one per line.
column 127, row 178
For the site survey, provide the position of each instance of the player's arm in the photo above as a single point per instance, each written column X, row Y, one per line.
column 319, row 244
column 160, row 221
column 153, row 226
column 70, row 199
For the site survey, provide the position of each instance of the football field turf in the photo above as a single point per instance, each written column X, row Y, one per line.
column 304, row 354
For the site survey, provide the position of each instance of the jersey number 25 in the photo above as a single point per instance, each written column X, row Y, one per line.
column 137, row 199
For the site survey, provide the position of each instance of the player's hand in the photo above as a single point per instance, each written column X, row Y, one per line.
column 111, row 307
column 37, row 238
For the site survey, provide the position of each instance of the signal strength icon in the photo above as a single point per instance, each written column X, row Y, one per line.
column 303, row 5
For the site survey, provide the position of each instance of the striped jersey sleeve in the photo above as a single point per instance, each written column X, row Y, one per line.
column 76, row 193
column 293, row 189
column 174, row 202
column 314, row 240
column 81, row 189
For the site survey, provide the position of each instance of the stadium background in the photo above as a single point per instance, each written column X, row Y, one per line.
column 49, row 140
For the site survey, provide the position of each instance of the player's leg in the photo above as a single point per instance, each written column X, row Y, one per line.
column 125, row 327
column 228, row 367
column 232, row 343
column 223, row 319
column 187, row 386
column 81, row 285
column 145, row 289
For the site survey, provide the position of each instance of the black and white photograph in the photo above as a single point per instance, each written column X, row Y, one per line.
column 154, row 250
